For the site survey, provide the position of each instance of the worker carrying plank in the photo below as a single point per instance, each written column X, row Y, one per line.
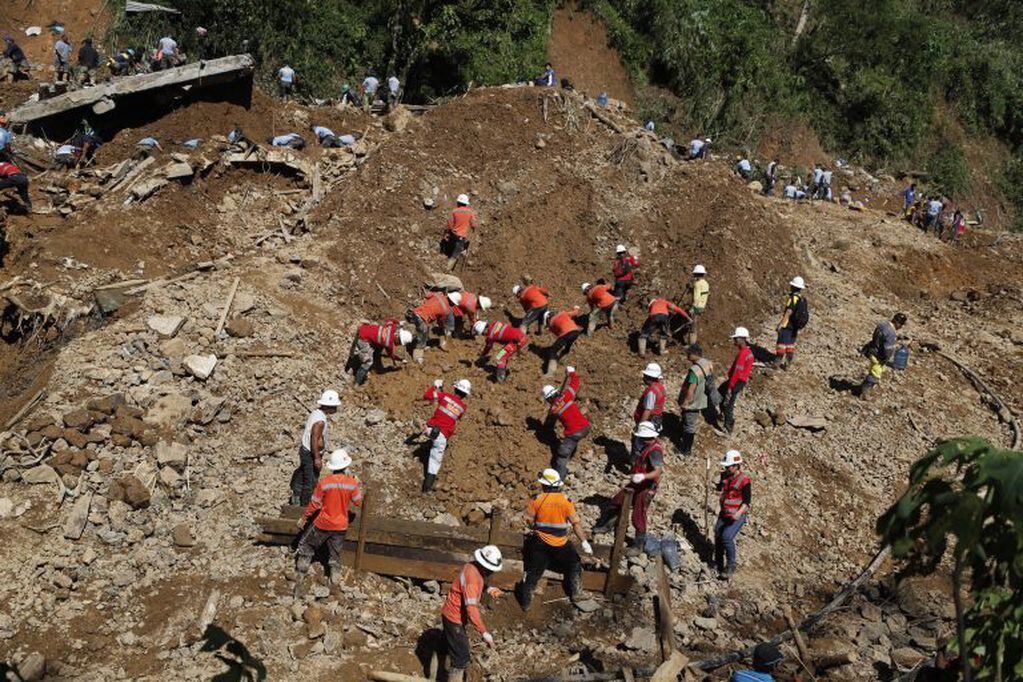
column 372, row 342
column 448, row 409
column 460, row 223
column 514, row 340
column 550, row 517
column 463, row 607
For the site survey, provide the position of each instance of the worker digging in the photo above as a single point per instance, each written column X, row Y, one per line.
column 602, row 305
column 563, row 408
column 372, row 342
column 449, row 408
column 497, row 333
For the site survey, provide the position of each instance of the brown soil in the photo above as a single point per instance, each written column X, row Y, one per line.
column 81, row 19
column 580, row 50
column 793, row 142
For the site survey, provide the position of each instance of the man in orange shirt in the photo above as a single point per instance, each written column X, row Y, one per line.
column 463, row 607
column 550, row 515
column 564, row 327
column 602, row 305
column 533, row 299
column 438, row 308
column 329, row 507
column 658, row 320
column 456, row 238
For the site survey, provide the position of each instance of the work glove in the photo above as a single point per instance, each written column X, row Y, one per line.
column 489, row 639
column 638, row 478
column 495, row 592
column 570, row 369
column 301, row 523
column 438, row 383
column 587, row 547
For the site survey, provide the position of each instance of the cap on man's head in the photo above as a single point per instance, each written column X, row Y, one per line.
column 695, row 349
column 767, row 655
column 900, row 319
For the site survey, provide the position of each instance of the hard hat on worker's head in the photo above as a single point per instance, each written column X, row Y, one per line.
column 586, row 285
column 699, row 270
column 485, row 303
column 798, row 283
column 338, row 460
column 455, row 298
column 620, row 248
column 480, row 326
column 550, row 478
column 463, row 199
column 706, row 139
column 740, row 333
column 516, row 289
column 330, row 398
column 732, row 457
column 645, row 430
column 548, row 392
column 489, row 557
column 463, row 386
column 653, row 370
column 404, row 337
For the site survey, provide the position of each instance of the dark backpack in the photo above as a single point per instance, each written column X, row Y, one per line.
column 801, row 315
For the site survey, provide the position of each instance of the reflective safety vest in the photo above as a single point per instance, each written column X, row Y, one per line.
column 599, row 296
column 380, row 336
column 551, row 517
column 624, row 268
column 434, row 308
column 660, row 395
column 331, row 497
column 463, row 603
column 532, row 297
column 643, row 464
column 731, row 494
column 469, row 304
column 462, row 220
column 450, row 409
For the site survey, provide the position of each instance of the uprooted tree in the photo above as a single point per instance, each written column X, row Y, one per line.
column 970, row 494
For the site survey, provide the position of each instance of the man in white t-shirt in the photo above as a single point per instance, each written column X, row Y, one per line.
column 393, row 91
column 369, row 91
column 286, row 77
column 314, row 444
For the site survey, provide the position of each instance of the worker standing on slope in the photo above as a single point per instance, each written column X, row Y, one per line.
column 14, row 62
column 534, row 301
column 644, row 477
column 371, row 342
column 880, row 350
column 286, row 82
column 550, row 516
column 563, row 326
column 602, row 305
column 469, row 307
column 770, row 177
column 699, row 288
column 448, row 409
column 564, row 407
column 456, row 237
column 793, row 319
column 463, row 607
column 734, row 488
column 369, row 91
column 62, row 58
column 314, row 443
column 658, row 320
column 650, row 407
column 329, row 503
column 738, row 376
column 438, row 308
column 514, row 340
column 624, row 268
column 693, row 397
column 88, row 62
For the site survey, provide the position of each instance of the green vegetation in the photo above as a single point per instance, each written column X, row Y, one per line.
column 967, row 493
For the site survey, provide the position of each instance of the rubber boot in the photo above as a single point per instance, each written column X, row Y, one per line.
column 865, row 389
column 442, row 343
column 428, row 482
column 335, row 575
column 611, row 316
column 552, row 367
column 501, row 375
column 591, row 323
column 456, row 675
column 662, row 346
column 641, row 346
column 417, row 355
column 525, row 598
column 637, row 545
column 606, row 522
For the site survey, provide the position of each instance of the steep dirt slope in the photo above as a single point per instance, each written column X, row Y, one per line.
column 579, row 49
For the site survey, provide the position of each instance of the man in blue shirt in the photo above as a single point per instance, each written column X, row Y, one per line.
column 908, row 197
column 766, row 657
column 548, row 79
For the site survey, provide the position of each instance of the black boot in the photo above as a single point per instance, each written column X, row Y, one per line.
column 606, row 522
column 501, row 374
column 428, row 482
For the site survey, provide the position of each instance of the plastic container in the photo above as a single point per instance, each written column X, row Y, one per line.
column 901, row 358
column 602, row 99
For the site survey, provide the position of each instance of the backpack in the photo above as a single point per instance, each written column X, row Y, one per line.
column 801, row 315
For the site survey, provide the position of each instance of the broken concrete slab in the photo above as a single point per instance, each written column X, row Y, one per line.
column 43, row 473
column 178, row 171
column 74, row 526
column 200, row 366
column 808, row 422
column 166, row 326
column 147, row 188
column 173, row 455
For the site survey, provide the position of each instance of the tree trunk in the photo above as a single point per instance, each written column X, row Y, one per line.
column 957, row 599
column 801, row 24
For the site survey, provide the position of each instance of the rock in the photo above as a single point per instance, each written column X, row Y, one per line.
column 587, row 605
column 432, row 587
column 109, row 300
column 181, row 535
column 428, row 202
column 74, row 526
column 375, row 416
column 755, row 186
column 870, row 612
column 200, row 366
column 169, row 478
column 243, row 302
column 89, row 555
column 354, row 638
column 173, row 455
column 206, row 411
column 170, row 411
column 179, row 171
column 75, row 438
column 906, row 657
column 446, row 519
column 642, row 639
column 6, row 507
column 78, row 419
column 130, row 490
column 808, row 422
column 146, row 188
column 107, row 404
column 764, row 419
column 43, row 473
column 240, row 328
column 398, row 120
column 705, row 623
column 32, row 667
column 166, row 326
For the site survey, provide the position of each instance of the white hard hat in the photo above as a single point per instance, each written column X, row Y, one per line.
column 489, row 557
column 586, row 285
column 338, row 460
column 480, row 326
column 516, row 289
column 740, row 333
column 731, row 458
column 645, row 430
column 463, row 199
column 550, row 478
column 330, row 398
column 620, row 248
column 463, row 386
column 455, row 298
column 548, row 392
column 485, row 303
column 706, row 139
column 699, row 270
column 798, row 283
column 404, row 337
column 653, row 370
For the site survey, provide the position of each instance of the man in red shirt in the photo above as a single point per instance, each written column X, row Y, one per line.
column 469, row 307
column 534, row 300
column 602, row 305
column 513, row 338
column 625, row 267
column 463, row 607
column 564, row 327
column 738, row 375
column 643, row 480
column 372, row 342
column 456, row 238
column 658, row 320
column 329, row 511
column 448, row 409
column 650, row 407
column 12, row 176
column 564, row 407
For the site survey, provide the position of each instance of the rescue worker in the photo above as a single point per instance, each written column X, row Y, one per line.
column 463, row 607
column 438, row 308
column 534, row 300
column 469, row 307
column 314, row 443
column 658, row 320
column 88, row 62
column 770, row 177
column 328, row 508
column 743, row 168
column 563, row 326
column 602, row 305
column 369, row 91
column 12, row 176
column 514, row 340
column 286, row 81
column 650, row 407
column 880, row 351
column 460, row 223
column 699, row 288
column 693, row 398
column 734, row 488
column 550, row 516
column 766, row 658
column 62, row 58
column 448, row 409
column 17, row 63
column 793, row 319
column 643, row 480
column 699, row 149
column 371, row 342
column 738, row 376
column 624, row 268
column 564, row 407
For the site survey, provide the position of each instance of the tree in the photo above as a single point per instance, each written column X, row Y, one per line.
column 970, row 493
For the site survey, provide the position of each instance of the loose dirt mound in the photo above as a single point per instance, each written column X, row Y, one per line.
column 579, row 49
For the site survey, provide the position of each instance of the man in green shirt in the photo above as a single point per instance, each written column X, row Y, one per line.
column 693, row 397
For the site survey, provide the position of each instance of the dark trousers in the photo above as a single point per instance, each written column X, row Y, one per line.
column 690, row 424
column 531, row 316
column 312, row 540
column 621, row 289
column 537, row 555
column 562, row 345
column 303, row 480
column 458, row 644
column 728, row 405
column 641, row 499
column 725, row 531
column 658, row 323
column 18, row 181
column 567, row 448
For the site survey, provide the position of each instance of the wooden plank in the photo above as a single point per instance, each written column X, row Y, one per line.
column 365, row 520
column 495, row 527
column 665, row 621
column 621, row 525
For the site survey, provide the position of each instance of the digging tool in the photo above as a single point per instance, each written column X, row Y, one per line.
column 706, row 499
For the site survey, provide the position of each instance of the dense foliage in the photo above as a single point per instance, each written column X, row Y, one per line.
column 967, row 496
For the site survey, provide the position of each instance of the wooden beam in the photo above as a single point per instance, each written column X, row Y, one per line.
column 621, row 525
column 364, row 523
column 665, row 621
